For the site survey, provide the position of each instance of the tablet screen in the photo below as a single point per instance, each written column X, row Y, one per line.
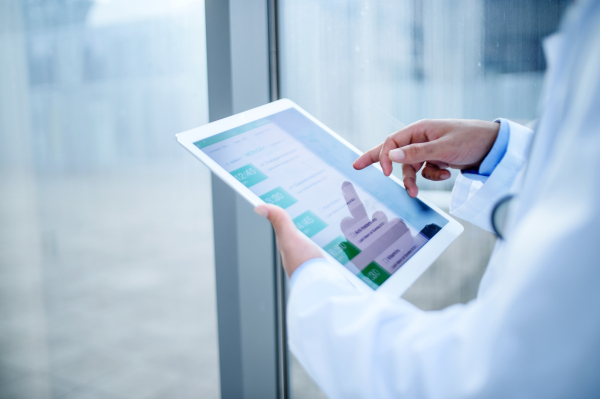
column 364, row 220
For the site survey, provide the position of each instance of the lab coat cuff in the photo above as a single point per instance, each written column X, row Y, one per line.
column 474, row 199
column 303, row 266
column 318, row 272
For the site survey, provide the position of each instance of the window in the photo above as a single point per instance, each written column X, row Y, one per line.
column 106, row 236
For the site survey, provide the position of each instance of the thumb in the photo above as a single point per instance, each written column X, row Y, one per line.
column 281, row 221
column 417, row 153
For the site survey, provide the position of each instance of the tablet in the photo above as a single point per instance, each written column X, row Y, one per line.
column 365, row 222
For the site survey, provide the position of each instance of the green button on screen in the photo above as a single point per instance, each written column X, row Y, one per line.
column 375, row 273
column 278, row 196
column 309, row 223
column 249, row 175
column 342, row 250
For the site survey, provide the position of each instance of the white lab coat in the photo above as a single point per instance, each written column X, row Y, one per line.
column 534, row 329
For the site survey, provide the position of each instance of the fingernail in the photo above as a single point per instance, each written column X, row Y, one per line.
column 397, row 155
column 445, row 175
column 262, row 211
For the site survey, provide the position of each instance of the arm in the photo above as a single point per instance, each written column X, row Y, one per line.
column 364, row 344
column 533, row 333
column 508, row 343
column 489, row 154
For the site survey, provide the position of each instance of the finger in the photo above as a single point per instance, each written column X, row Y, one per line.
column 384, row 160
column 434, row 172
column 419, row 152
column 368, row 158
column 414, row 133
column 439, row 164
column 281, row 221
column 346, row 226
column 380, row 217
column 355, row 205
column 409, row 176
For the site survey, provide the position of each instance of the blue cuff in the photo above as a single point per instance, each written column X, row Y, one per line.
column 302, row 267
column 498, row 150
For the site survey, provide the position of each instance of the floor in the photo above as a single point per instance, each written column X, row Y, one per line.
column 107, row 285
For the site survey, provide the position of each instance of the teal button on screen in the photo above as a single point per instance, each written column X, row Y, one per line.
column 309, row 223
column 249, row 175
column 278, row 196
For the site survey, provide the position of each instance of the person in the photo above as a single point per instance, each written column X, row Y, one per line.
column 534, row 328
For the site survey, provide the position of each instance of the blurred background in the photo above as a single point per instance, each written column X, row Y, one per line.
column 107, row 283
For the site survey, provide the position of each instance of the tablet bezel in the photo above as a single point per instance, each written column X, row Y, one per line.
column 400, row 280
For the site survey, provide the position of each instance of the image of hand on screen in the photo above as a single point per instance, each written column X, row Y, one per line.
column 371, row 236
column 435, row 144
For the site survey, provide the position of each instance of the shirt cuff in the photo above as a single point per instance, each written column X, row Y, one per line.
column 474, row 196
column 498, row 150
column 494, row 156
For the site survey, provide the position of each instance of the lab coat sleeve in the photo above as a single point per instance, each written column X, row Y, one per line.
column 363, row 344
column 532, row 335
column 474, row 196
column 328, row 316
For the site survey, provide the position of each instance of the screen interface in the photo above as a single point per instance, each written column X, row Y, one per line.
column 364, row 220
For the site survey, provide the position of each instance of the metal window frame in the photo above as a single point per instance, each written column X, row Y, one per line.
column 242, row 71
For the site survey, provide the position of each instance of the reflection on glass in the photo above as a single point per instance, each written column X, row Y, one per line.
column 112, row 81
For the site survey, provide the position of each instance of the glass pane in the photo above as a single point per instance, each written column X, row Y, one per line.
column 106, row 255
column 368, row 68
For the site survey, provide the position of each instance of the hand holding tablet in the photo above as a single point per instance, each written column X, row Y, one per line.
column 295, row 247
column 364, row 221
